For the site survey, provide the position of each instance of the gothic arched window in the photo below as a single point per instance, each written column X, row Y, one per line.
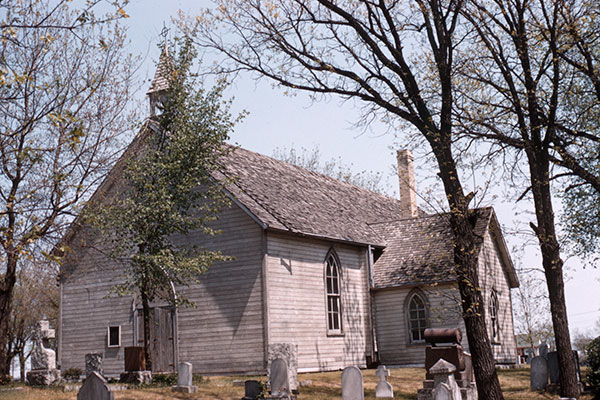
column 334, row 303
column 417, row 317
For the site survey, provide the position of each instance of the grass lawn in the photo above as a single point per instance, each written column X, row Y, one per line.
column 325, row 385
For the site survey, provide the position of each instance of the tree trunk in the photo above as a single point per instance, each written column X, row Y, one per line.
column 466, row 259
column 146, row 311
column 553, row 269
column 6, row 292
column 22, row 360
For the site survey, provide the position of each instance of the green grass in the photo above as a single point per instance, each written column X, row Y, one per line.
column 325, row 385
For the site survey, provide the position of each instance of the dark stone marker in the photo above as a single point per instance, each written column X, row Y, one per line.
column 252, row 389
column 553, row 367
column 134, row 359
column 539, row 373
column 95, row 387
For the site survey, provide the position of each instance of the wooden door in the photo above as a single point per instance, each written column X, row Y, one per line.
column 161, row 338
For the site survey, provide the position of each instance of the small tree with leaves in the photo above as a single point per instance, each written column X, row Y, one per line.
column 167, row 190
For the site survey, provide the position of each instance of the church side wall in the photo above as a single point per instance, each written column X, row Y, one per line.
column 493, row 277
column 297, row 302
column 222, row 334
column 393, row 340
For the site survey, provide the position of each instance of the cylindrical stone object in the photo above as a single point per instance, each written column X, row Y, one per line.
column 447, row 335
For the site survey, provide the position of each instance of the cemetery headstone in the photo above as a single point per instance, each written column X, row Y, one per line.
column 43, row 358
column 444, row 384
column 539, row 373
column 289, row 353
column 93, row 363
column 352, row 384
column 384, row 388
column 95, row 387
column 135, row 367
column 184, row 379
column 252, row 390
column 553, row 368
column 280, row 384
column 543, row 350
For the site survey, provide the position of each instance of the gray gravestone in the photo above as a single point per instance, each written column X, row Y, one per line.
column 184, row 379
column 554, row 367
column 252, row 390
column 288, row 352
column 280, row 384
column 95, row 388
column 93, row 363
column 543, row 350
column 384, row 388
column 352, row 384
column 539, row 373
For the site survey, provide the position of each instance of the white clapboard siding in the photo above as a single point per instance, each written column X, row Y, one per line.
column 492, row 276
column 223, row 333
column 297, row 305
column 393, row 341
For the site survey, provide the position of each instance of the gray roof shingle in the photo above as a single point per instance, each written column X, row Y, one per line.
column 420, row 250
column 289, row 198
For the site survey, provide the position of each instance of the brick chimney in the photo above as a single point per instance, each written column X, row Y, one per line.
column 406, row 178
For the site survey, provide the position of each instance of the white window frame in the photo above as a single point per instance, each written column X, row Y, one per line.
column 333, row 294
column 108, row 342
column 421, row 322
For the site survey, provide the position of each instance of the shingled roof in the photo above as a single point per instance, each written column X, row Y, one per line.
column 420, row 250
column 289, row 198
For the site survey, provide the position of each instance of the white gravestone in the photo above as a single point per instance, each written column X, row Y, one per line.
column 384, row 388
column 184, row 379
column 352, row 384
column 444, row 384
column 280, row 384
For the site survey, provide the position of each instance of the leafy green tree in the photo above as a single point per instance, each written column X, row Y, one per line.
column 592, row 377
column 167, row 189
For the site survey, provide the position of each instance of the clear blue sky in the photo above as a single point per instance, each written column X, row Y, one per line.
column 277, row 121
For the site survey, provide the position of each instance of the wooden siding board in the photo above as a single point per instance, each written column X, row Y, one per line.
column 494, row 276
column 297, row 305
column 392, row 327
column 222, row 334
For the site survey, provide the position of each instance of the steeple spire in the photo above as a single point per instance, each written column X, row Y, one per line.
column 160, row 84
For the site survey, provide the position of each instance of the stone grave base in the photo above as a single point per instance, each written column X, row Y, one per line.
column 185, row 389
column 43, row 377
column 467, row 391
column 136, row 377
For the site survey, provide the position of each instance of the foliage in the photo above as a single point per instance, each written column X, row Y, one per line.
column 72, row 374
column 581, row 213
column 592, row 377
column 159, row 380
column 167, row 190
column 64, row 88
column 160, row 198
column 335, row 168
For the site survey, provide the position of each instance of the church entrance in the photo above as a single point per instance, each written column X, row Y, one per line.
column 161, row 338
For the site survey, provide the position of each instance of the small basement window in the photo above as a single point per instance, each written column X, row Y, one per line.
column 114, row 336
